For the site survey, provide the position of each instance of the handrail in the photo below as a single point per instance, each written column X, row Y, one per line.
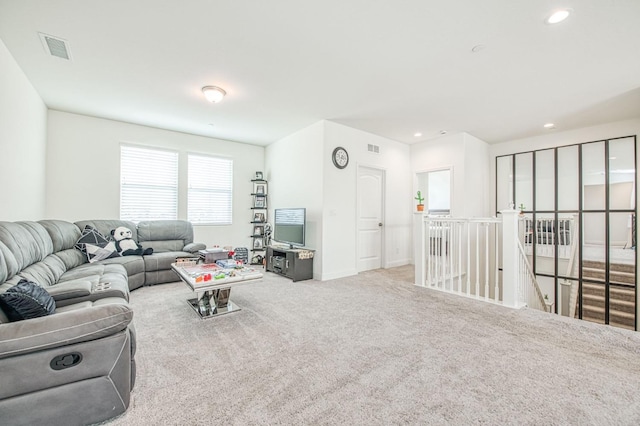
column 531, row 279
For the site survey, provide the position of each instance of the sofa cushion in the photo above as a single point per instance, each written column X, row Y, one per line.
column 45, row 273
column 63, row 234
column 23, row 244
column 106, row 280
column 176, row 233
column 27, row 300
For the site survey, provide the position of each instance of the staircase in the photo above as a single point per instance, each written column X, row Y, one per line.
column 622, row 306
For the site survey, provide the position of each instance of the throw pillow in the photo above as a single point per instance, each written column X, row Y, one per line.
column 95, row 245
column 27, row 300
column 90, row 235
column 100, row 252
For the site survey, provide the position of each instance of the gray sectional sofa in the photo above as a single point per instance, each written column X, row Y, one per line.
column 77, row 365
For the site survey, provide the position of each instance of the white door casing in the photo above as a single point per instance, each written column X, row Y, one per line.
column 370, row 211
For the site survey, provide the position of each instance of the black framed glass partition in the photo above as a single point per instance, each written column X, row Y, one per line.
column 578, row 225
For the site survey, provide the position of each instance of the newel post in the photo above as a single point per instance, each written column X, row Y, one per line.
column 419, row 255
column 510, row 258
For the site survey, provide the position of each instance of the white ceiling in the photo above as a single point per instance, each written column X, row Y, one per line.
column 392, row 68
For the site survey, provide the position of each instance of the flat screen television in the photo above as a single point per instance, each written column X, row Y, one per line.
column 289, row 226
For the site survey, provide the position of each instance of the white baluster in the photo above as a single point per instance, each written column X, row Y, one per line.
column 496, row 255
column 459, row 267
column 468, row 258
column 450, row 247
column 477, row 261
column 486, row 261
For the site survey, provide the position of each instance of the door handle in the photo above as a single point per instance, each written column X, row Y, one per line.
column 379, row 223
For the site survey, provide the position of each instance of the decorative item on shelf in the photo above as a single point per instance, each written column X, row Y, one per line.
column 258, row 231
column 420, row 199
column 260, row 189
column 260, row 202
column 257, row 243
column 259, row 176
column 267, row 234
column 258, row 217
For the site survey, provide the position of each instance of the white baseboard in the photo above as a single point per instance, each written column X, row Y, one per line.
column 398, row 262
column 336, row 275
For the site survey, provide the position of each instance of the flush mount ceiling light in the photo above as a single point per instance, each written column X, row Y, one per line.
column 213, row 94
column 558, row 16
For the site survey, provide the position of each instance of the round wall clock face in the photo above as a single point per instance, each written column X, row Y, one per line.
column 340, row 157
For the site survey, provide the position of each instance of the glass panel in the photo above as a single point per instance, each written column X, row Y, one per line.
column 568, row 245
column 593, row 267
column 546, row 288
column 622, row 174
column 622, row 271
column 545, row 180
column 593, row 176
column 568, row 183
column 545, row 237
column 524, row 181
column 504, row 182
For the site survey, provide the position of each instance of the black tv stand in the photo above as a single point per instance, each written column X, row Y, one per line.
column 294, row 263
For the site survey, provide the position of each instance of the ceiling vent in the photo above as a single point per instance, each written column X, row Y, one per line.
column 373, row 148
column 55, row 46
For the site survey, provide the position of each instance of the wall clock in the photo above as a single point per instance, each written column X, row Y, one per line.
column 340, row 157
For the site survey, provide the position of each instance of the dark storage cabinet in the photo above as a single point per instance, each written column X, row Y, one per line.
column 296, row 264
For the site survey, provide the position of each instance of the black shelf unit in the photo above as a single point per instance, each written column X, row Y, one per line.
column 258, row 219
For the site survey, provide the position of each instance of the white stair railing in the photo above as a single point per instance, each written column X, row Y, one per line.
column 459, row 256
column 462, row 256
column 528, row 289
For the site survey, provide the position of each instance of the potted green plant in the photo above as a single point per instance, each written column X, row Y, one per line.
column 420, row 199
column 521, row 207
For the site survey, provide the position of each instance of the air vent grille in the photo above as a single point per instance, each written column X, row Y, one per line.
column 55, row 46
column 373, row 148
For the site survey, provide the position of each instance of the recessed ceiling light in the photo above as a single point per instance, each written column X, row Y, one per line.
column 558, row 16
column 417, row 134
column 549, row 126
column 213, row 94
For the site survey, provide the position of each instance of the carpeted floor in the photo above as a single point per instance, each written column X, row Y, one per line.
column 374, row 349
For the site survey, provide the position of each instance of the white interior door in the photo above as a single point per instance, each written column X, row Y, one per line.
column 370, row 218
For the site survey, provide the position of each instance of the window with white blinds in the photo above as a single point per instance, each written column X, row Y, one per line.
column 148, row 184
column 210, row 190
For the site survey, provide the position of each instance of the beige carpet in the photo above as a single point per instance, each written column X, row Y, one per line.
column 371, row 350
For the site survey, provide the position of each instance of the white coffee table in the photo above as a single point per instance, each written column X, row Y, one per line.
column 213, row 293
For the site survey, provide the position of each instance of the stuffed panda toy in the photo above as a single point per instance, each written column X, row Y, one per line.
column 126, row 245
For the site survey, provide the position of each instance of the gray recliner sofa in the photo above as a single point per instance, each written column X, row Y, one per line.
column 77, row 365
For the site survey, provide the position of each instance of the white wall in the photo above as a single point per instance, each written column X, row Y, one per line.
column 468, row 159
column 23, row 132
column 340, row 190
column 301, row 174
column 294, row 173
column 83, row 171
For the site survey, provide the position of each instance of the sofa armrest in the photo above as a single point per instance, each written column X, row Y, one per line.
column 63, row 329
column 70, row 290
column 194, row 247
